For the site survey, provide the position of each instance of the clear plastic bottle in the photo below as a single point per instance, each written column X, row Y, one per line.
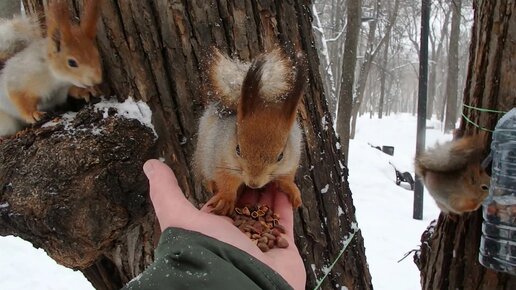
column 498, row 242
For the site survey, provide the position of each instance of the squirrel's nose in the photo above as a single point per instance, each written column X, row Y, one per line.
column 254, row 185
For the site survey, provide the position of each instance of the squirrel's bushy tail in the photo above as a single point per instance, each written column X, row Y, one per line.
column 226, row 77
column 451, row 156
column 16, row 34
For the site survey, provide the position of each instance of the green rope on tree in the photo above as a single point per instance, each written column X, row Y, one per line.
column 346, row 243
column 475, row 124
column 483, row 109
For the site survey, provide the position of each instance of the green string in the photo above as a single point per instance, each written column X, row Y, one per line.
column 475, row 124
column 346, row 243
column 480, row 110
column 483, row 109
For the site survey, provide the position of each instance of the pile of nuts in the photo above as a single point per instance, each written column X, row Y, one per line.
column 261, row 225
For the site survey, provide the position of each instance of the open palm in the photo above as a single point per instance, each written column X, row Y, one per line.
column 174, row 210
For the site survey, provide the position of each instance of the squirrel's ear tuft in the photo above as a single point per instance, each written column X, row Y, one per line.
column 225, row 76
column 271, row 80
column 295, row 92
column 277, row 77
column 250, row 98
column 56, row 39
column 58, row 19
column 89, row 17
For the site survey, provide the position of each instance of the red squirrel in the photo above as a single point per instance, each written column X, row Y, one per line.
column 248, row 134
column 453, row 174
column 39, row 72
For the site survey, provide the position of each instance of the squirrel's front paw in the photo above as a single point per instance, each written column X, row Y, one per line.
column 295, row 197
column 291, row 189
column 83, row 93
column 222, row 204
column 34, row 117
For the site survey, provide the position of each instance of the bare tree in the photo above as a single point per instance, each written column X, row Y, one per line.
column 348, row 73
column 369, row 57
column 383, row 74
column 452, row 83
column 436, row 45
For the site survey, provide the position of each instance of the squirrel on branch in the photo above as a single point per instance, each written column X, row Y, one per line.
column 40, row 72
column 453, row 174
column 248, row 134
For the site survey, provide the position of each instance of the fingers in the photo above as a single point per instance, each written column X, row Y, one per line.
column 283, row 208
column 170, row 204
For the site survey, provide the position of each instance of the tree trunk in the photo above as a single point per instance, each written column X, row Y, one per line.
column 414, row 102
column 325, row 64
column 349, row 62
column 383, row 75
column 449, row 253
column 368, row 61
column 452, row 79
column 337, row 44
column 152, row 51
column 434, row 63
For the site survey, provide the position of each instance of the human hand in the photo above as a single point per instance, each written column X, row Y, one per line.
column 174, row 210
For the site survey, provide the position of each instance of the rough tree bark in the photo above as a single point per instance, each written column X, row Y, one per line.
column 349, row 62
column 452, row 79
column 449, row 252
column 152, row 50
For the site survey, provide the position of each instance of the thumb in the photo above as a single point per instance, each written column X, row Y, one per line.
column 171, row 207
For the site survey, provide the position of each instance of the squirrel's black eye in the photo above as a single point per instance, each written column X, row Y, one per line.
column 72, row 63
column 280, row 157
column 484, row 187
column 238, row 150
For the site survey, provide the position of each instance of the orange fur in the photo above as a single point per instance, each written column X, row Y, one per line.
column 70, row 41
column 89, row 18
column 27, row 105
column 287, row 185
column 262, row 136
column 225, row 188
column 82, row 93
column 453, row 175
column 4, row 56
column 262, row 131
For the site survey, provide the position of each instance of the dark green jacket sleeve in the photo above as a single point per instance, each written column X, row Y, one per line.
column 190, row 260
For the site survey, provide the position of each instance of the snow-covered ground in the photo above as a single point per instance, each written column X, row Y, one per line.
column 383, row 209
column 384, row 213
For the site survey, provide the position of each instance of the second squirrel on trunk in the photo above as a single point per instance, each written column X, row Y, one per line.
column 38, row 73
column 453, row 174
